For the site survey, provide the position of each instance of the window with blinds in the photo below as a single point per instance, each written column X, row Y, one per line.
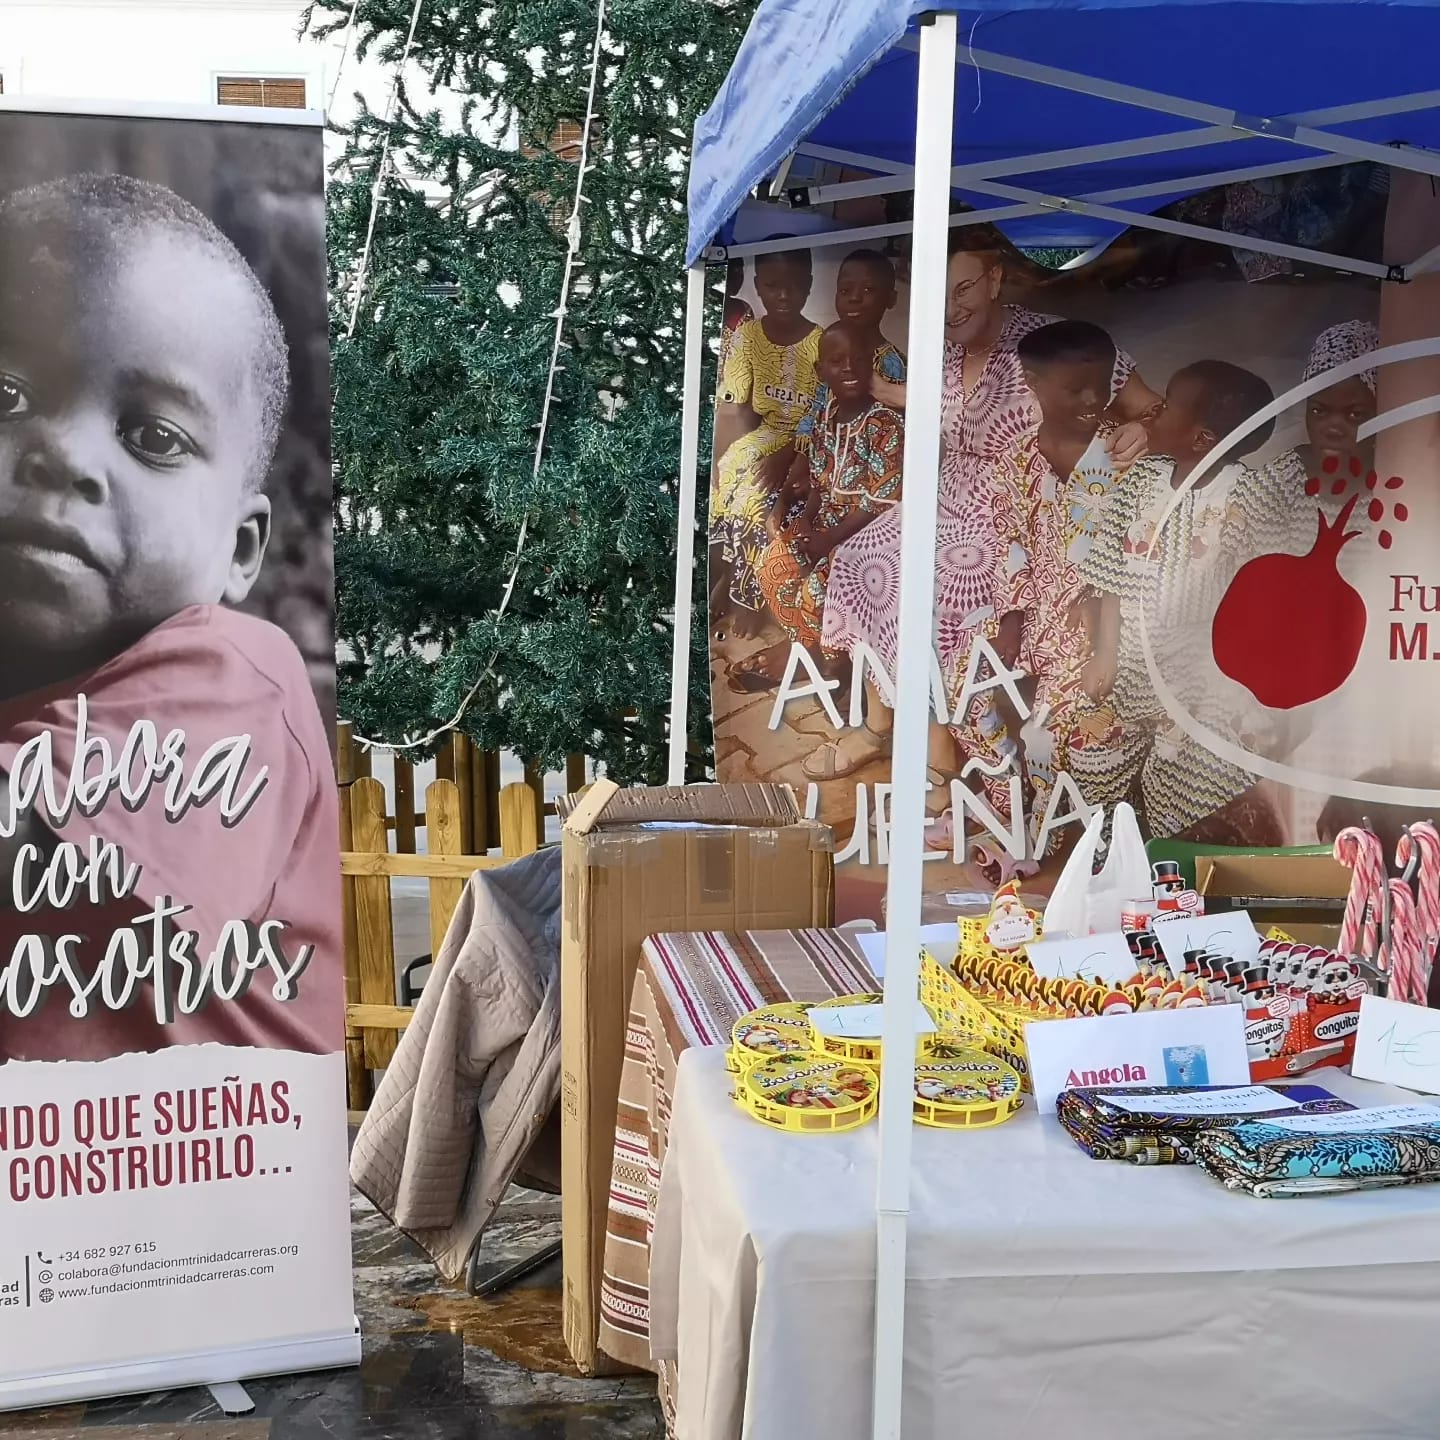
column 256, row 92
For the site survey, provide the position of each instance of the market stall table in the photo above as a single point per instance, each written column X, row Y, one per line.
column 690, row 990
column 1049, row 1294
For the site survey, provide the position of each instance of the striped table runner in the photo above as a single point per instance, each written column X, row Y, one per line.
column 690, row 990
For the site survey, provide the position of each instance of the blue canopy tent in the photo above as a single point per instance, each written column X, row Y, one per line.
column 1064, row 122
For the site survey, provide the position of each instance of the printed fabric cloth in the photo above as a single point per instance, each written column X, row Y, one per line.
column 1273, row 1163
column 777, row 382
column 855, row 470
column 1156, row 1136
column 1047, row 526
column 690, row 990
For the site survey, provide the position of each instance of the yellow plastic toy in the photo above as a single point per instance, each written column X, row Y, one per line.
column 782, row 1029
column 970, row 1090
column 809, row 1094
column 958, row 1014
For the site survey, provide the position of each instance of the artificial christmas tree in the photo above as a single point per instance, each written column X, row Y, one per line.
column 439, row 391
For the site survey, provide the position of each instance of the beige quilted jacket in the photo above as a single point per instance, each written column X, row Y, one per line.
column 469, row 1101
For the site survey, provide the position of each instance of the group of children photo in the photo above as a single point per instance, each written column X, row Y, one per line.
column 1076, row 504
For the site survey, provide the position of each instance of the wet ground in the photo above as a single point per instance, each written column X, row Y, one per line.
column 438, row 1365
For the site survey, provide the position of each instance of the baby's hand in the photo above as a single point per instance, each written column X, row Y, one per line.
column 1128, row 444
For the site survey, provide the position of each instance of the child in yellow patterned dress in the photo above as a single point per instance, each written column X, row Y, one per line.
column 847, row 470
column 766, row 389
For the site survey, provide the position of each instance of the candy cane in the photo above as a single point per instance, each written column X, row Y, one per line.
column 1405, row 958
column 1426, row 839
column 1360, row 851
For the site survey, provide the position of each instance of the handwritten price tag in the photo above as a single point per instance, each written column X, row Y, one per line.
column 1398, row 1044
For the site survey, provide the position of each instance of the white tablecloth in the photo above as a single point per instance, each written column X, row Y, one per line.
column 1050, row 1296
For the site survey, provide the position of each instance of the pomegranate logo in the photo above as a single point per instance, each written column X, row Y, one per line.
column 1306, row 622
column 1313, row 622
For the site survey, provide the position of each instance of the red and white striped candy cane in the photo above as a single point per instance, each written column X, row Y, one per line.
column 1360, row 851
column 1406, row 946
column 1425, row 838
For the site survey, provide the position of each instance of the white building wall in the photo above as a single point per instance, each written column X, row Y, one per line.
column 172, row 52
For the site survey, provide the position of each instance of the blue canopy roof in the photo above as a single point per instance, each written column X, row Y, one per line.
column 837, row 73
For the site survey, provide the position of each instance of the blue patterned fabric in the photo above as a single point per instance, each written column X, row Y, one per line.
column 1271, row 1162
column 1157, row 1136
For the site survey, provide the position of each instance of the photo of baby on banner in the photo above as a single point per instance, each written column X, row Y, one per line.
column 1185, row 539
column 171, row 971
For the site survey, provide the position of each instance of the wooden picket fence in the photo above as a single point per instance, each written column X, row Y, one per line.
column 467, row 814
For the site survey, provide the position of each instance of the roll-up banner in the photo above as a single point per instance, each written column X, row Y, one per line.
column 173, row 1194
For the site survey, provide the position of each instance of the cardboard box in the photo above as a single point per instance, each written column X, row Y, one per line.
column 639, row 863
column 1303, row 894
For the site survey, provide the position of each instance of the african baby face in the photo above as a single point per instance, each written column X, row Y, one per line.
column 1333, row 418
column 864, row 291
column 130, row 422
column 1175, row 427
column 844, row 365
column 1072, row 394
column 783, row 284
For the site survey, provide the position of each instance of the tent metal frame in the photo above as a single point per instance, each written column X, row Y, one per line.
column 933, row 179
column 1218, row 126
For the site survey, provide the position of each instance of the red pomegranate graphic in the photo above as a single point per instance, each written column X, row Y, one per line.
column 1290, row 626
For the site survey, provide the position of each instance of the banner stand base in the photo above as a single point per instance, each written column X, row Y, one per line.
column 216, row 1368
column 232, row 1398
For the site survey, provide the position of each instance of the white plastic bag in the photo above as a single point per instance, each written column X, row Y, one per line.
column 1084, row 903
column 1126, row 875
column 1069, row 907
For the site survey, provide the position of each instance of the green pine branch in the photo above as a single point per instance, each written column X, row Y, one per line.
column 439, row 392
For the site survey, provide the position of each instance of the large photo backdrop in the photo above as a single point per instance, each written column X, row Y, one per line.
column 173, row 1197
column 1176, row 563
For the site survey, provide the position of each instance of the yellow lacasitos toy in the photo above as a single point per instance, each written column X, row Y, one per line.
column 782, row 1029
column 809, row 1094
column 966, row 1090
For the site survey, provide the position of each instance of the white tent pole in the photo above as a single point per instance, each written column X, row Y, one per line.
column 934, row 125
column 685, row 522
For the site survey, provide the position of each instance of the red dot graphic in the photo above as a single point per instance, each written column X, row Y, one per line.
column 1377, row 510
column 1402, row 511
column 1371, row 480
column 1385, row 540
column 1312, row 485
column 1394, row 483
column 1332, row 464
column 1339, row 487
